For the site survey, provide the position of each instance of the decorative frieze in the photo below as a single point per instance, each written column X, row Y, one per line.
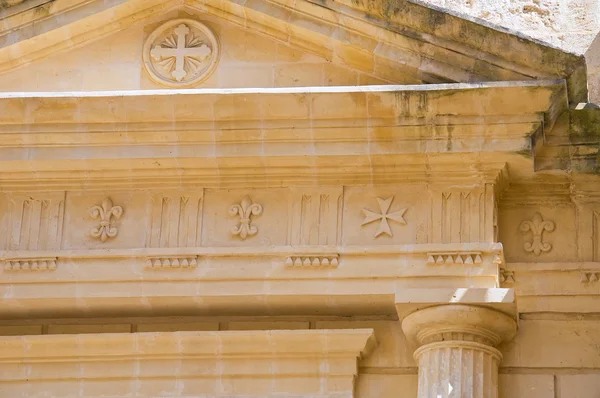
column 171, row 262
column 312, row 261
column 30, row 264
column 105, row 212
column 468, row 258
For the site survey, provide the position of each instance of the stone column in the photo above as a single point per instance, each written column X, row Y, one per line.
column 457, row 356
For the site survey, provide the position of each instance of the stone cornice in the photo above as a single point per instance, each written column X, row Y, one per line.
column 560, row 287
column 256, row 344
column 404, row 38
column 362, row 279
column 469, row 35
column 326, row 360
column 279, row 136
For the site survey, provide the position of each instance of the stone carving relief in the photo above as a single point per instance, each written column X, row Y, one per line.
column 507, row 276
column 105, row 213
column 34, row 221
column 176, row 219
column 316, row 261
column 180, row 53
column 171, row 262
column 245, row 210
column 383, row 216
column 314, row 217
column 454, row 258
column 461, row 215
column 537, row 226
column 587, row 277
column 30, row 264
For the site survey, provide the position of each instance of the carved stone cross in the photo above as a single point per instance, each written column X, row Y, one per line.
column 180, row 52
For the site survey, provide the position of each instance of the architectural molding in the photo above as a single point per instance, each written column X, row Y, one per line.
column 366, row 278
column 341, row 136
column 421, row 51
column 24, row 264
column 326, row 361
column 568, row 287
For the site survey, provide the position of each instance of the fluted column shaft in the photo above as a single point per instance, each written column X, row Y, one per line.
column 456, row 357
column 456, row 369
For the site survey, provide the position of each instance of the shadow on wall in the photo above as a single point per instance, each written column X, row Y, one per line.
column 592, row 56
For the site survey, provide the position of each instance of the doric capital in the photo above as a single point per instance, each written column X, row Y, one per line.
column 459, row 322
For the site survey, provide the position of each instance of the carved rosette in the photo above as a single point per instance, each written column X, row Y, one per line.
column 181, row 53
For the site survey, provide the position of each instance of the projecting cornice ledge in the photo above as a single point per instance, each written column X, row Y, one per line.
column 214, row 363
column 574, row 141
column 350, row 135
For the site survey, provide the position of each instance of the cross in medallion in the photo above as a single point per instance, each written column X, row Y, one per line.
column 181, row 52
column 384, row 216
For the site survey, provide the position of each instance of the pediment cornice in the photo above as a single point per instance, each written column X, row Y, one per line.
column 423, row 44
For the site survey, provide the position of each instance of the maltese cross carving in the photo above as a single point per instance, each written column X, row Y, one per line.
column 384, row 216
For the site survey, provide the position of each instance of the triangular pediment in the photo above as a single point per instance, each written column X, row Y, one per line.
column 272, row 44
column 222, row 55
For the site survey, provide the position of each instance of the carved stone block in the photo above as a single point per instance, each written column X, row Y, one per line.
column 171, row 262
column 312, row 261
column 467, row 258
column 30, row 264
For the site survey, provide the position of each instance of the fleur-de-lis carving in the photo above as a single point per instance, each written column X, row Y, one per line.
column 245, row 210
column 105, row 212
column 537, row 226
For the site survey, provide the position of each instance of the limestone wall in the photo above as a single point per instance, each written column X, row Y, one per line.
column 572, row 25
column 535, row 365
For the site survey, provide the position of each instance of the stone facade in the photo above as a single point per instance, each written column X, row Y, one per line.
column 571, row 25
column 302, row 199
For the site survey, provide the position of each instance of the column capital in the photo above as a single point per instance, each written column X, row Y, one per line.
column 456, row 354
column 459, row 322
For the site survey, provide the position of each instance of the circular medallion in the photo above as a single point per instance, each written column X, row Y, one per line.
column 181, row 53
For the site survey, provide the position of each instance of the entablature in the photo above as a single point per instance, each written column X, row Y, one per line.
column 293, row 136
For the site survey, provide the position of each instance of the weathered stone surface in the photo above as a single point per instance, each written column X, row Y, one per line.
column 350, row 198
column 572, row 25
